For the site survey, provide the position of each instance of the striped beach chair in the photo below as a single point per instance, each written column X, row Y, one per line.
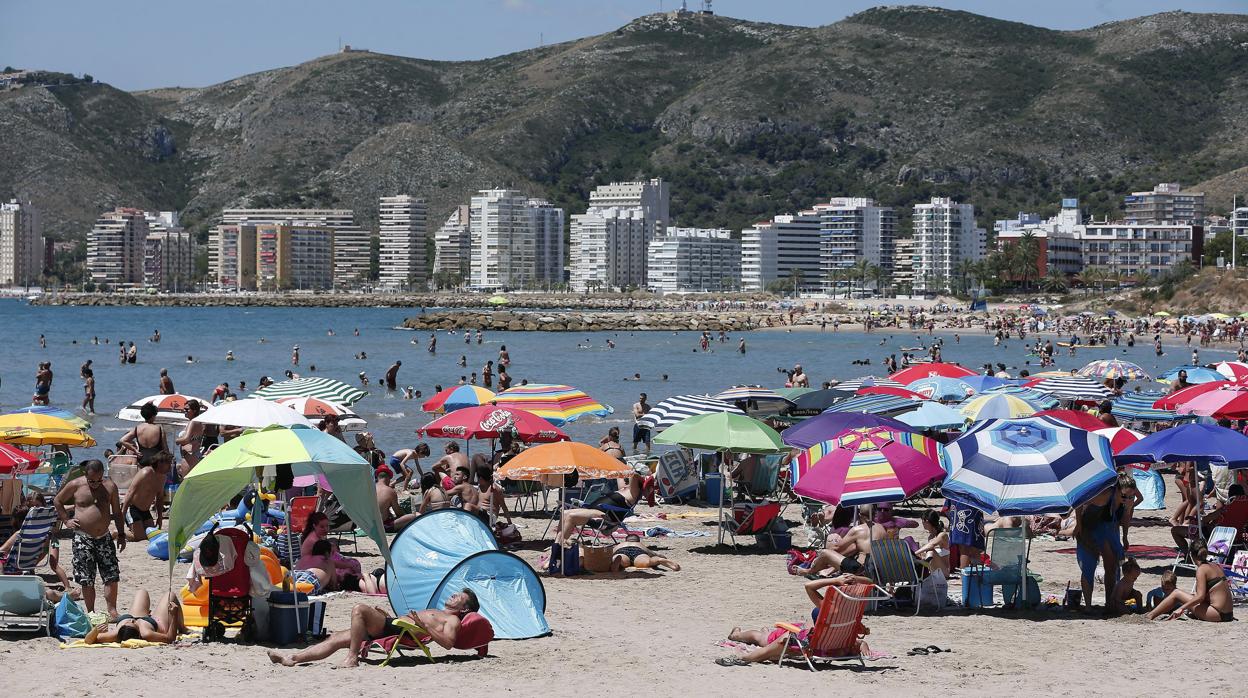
column 32, row 541
column 892, row 567
column 838, row 628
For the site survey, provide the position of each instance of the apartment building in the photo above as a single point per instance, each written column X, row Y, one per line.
column 854, row 229
column 168, row 253
column 115, row 248
column 350, row 243
column 402, row 262
column 608, row 248
column 945, row 235
column 1166, row 203
column 775, row 250
column 693, row 260
column 21, row 244
column 452, row 245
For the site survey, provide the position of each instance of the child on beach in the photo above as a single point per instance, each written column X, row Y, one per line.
column 1169, row 582
column 1125, row 598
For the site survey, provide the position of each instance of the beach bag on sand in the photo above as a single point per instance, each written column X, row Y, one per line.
column 69, row 620
column 564, row 561
column 506, row 534
column 934, row 591
column 598, row 557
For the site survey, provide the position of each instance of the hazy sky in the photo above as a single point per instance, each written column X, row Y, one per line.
column 137, row 44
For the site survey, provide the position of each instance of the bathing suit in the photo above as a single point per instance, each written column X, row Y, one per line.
column 93, row 555
column 616, row 501
column 150, row 620
column 138, row 515
column 308, row 577
column 632, row 552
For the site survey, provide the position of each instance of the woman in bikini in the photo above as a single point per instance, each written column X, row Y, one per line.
column 1212, row 599
column 631, row 553
column 935, row 555
column 162, row 624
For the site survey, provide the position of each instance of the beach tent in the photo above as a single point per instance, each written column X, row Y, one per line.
column 447, row 550
column 1151, row 487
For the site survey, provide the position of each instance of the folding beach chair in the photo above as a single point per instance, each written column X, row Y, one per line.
column 1007, row 549
column 22, row 603
column 1234, row 516
column 32, row 541
column 892, row 567
column 838, row 628
column 1221, row 543
column 298, row 511
column 475, row 634
column 749, row 519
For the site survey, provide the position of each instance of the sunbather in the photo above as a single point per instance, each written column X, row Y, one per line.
column 610, row 509
column 1212, row 599
column 771, row 641
column 160, row 624
column 842, row 556
column 370, row 623
column 935, row 555
column 631, row 553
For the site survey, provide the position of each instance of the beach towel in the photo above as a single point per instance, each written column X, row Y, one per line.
column 1142, row 552
column 661, row 531
column 134, row 644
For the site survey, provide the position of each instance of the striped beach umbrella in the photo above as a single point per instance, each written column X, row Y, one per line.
column 1034, row 465
column 1039, row 398
column 985, row 383
column 867, row 381
column 1195, row 374
column 1119, row 437
column 750, row 393
column 1074, row 388
column 169, row 408
column 983, row 407
column 825, row 426
column 457, row 397
column 942, row 388
column 557, row 404
column 1232, row 370
column 1075, row 418
column 931, row 370
column 875, row 404
column 55, row 412
column 666, row 413
column 1230, row 402
column 867, row 466
column 324, row 388
column 1172, row 401
column 1138, row 407
column 1113, row 368
column 890, row 390
column 316, row 409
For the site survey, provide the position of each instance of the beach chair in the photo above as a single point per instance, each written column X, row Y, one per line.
column 1007, row 549
column 23, row 606
column 892, row 567
column 229, row 594
column 1221, row 543
column 298, row 511
column 838, row 628
column 1234, row 516
column 32, row 541
column 475, row 634
column 749, row 518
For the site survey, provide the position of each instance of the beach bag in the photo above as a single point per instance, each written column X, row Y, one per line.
column 934, row 591
column 69, row 620
column 564, row 561
column 598, row 557
column 506, row 534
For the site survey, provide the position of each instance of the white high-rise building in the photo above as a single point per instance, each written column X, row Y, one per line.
column 168, row 253
column 652, row 196
column 1239, row 224
column 452, row 246
column 693, row 260
column 401, row 256
column 503, row 240
column 115, row 248
column 944, row 236
column 546, row 222
column 774, row 250
column 350, row 242
column 608, row 249
column 21, row 244
column 854, row 229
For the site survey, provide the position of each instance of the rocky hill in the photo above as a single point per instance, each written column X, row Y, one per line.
column 745, row 119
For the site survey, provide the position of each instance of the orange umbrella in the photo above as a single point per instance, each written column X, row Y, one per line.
column 561, row 458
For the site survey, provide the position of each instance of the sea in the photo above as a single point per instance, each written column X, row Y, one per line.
column 194, row 343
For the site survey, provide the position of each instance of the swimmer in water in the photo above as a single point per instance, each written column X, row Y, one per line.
column 190, row 359
column 229, row 355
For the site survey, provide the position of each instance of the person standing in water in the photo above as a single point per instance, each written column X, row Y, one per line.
column 487, row 374
column 392, row 376
column 741, row 345
column 504, row 358
column 88, row 390
column 294, row 356
column 433, row 343
column 166, row 383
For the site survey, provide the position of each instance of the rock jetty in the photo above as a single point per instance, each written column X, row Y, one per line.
column 579, row 321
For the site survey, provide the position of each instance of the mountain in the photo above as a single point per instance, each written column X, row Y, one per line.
column 745, row 120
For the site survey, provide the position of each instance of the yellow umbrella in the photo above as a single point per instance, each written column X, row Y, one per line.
column 1220, row 316
column 33, row 429
column 1161, row 313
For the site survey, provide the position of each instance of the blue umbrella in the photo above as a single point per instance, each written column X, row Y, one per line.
column 874, row 404
column 825, row 426
column 942, row 388
column 982, row 383
column 1138, row 407
column 1202, row 443
column 1195, row 374
column 933, row 415
column 1034, row 465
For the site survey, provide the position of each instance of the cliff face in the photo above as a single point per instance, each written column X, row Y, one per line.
column 745, row 119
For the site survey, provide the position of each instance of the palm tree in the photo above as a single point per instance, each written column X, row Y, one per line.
column 796, row 277
column 1026, row 252
column 1054, row 282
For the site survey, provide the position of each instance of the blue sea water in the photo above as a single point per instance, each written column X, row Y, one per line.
column 206, row 334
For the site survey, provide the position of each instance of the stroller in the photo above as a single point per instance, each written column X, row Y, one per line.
column 229, row 594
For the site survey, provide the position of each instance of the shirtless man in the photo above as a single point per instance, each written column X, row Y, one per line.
column 387, row 497
column 95, row 503
column 469, row 498
column 490, row 496
column 841, row 555
column 641, row 433
column 799, row 377
column 392, row 375
column 143, row 492
column 166, row 383
column 452, row 461
column 370, row 622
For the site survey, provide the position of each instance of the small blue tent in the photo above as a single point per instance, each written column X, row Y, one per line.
column 511, row 595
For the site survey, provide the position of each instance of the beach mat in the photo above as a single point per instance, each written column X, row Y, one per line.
column 1142, row 552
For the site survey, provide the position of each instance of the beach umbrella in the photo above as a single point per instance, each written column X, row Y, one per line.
column 816, row 401
column 889, row 390
column 1138, row 407
column 169, row 408
column 792, row 394
column 866, row 381
column 491, row 422
column 827, row 425
column 1075, row 418
column 1119, row 437
column 230, row 467
column 324, row 388
column 1230, row 402
column 870, row 465
column 678, row 407
column 942, row 388
column 1113, row 368
column 562, row 458
column 930, row 370
column 874, row 404
column 31, row 429
column 497, row 300
column 14, row 460
column 457, row 397
column 1232, row 370
column 1038, row 398
column 57, row 412
column 1073, row 388
column 723, row 431
column 252, row 413
column 1173, row 400
column 982, row 384
column 557, row 404
column 750, row 393
column 1201, row 443
column 1195, row 374
column 933, row 415
column 316, row 409
column 982, row 407
column 1219, row 316
column 1161, row 313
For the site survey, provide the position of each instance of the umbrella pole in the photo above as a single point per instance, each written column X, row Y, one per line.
column 290, row 559
column 723, row 487
column 1021, row 599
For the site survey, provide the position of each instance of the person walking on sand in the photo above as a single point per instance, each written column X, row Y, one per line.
column 96, row 503
column 166, row 383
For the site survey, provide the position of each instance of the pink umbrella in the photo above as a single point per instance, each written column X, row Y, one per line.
column 1229, row 402
column 890, row 390
column 867, row 466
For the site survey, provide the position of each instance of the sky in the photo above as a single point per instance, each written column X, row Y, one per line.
column 141, row 44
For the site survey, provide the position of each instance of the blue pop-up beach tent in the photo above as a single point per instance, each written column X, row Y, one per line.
column 444, row 551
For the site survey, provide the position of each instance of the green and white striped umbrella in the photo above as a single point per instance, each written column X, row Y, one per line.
column 320, row 388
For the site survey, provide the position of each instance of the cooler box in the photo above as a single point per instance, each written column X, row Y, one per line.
column 712, row 485
column 777, row 539
column 976, row 589
column 288, row 616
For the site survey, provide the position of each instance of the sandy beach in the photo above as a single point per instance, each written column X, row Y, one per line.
column 653, row 633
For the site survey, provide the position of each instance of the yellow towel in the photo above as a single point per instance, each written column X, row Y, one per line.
column 134, row 644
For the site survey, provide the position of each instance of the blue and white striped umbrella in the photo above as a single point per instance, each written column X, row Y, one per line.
column 1073, row 388
column 1039, row 398
column 1033, row 465
column 875, row 404
column 678, row 407
column 1138, row 407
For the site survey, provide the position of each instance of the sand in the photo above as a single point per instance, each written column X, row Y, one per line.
column 654, row 633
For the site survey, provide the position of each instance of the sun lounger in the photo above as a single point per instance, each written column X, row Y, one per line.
column 751, row 519
column 22, row 603
column 475, row 633
column 838, row 630
column 892, row 567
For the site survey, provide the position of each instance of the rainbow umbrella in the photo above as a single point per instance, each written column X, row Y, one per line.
column 1113, row 368
column 56, row 412
column 457, row 398
column 983, row 407
column 1040, row 399
column 557, row 404
column 868, row 466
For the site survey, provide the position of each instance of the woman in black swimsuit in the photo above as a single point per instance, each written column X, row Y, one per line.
column 631, row 553
column 1212, row 600
column 612, row 509
column 148, row 432
column 161, row 624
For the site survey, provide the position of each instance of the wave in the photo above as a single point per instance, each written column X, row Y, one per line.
column 391, row 415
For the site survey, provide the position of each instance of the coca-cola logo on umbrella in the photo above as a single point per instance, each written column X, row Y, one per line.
column 496, row 420
column 455, row 431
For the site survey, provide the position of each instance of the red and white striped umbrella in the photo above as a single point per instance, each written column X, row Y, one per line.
column 169, row 408
column 315, row 409
column 1119, row 437
column 1233, row 370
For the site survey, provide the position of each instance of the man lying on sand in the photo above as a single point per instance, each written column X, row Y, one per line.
column 369, row 623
